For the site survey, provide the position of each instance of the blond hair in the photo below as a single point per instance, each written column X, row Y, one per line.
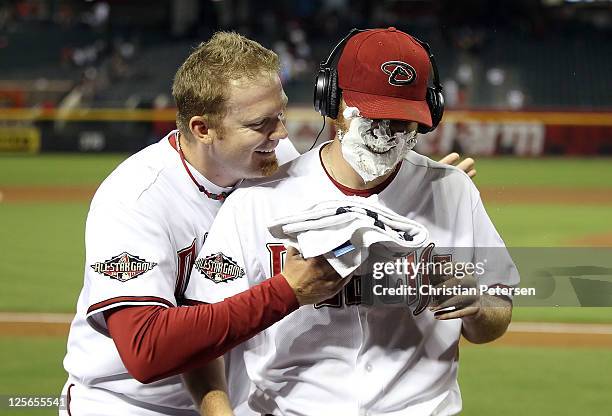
column 201, row 83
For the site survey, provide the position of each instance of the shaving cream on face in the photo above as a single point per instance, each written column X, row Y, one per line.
column 370, row 147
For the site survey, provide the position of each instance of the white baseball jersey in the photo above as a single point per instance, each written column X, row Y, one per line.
column 146, row 224
column 345, row 356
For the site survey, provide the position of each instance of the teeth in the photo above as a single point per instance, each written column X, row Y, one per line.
column 266, row 151
column 379, row 149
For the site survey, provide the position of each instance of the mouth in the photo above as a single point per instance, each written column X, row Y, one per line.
column 380, row 149
column 266, row 152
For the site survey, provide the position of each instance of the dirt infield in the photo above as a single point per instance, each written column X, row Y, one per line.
column 519, row 334
column 594, row 240
column 502, row 195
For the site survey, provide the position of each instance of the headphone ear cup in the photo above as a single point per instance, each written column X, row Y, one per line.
column 435, row 102
column 319, row 99
column 333, row 99
column 439, row 107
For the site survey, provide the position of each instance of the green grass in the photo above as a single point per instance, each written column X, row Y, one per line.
column 563, row 314
column 57, row 169
column 553, row 172
column 43, row 256
column 545, row 225
column 535, row 381
column 31, row 366
column 493, row 379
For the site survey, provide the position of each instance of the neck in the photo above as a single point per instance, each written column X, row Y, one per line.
column 341, row 170
column 197, row 155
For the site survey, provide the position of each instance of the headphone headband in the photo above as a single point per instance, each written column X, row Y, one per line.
column 339, row 45
column 434, row 68
column 326, row 98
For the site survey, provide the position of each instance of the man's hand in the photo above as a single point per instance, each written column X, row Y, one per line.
column 449, row 305
column 313, row 280
column 484, row 317
column 466, row 165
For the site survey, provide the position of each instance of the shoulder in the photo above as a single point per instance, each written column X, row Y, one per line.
column 134, row 177
column 289, row 179
column 298, row 169
column 446, row 181
column 436, row 170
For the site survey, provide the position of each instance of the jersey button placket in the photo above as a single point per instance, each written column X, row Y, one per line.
column 361, row 321
column 365, row 368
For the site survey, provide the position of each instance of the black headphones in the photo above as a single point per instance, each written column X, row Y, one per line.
column 327, row 92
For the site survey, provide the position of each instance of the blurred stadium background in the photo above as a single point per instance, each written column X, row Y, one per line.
column 83, row 84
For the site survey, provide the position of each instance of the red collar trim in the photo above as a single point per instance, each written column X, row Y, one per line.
column 176, row 145
column 172, row 140
column 360, row 192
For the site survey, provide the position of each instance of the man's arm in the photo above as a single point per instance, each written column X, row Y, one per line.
column 156, row 342
column 485, row 317
column 208, row 388
column 490, row 322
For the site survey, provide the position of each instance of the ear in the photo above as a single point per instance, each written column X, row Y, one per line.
column 200, row 129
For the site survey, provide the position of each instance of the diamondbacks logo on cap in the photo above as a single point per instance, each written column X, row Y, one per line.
column 219, row 268
column 123, row 267
column 400, row 73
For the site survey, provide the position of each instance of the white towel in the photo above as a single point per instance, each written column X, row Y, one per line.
column 346, row 230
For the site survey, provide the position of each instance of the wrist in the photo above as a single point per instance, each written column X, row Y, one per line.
column 286, row 291
column 476, row 317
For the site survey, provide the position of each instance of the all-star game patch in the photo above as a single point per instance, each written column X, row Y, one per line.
column 219, row 268
column 123, row 267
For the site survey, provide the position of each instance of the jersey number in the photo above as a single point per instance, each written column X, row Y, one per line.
column 354, row 293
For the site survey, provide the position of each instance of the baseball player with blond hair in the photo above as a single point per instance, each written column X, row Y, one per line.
column 362, row 198
column 130, row 341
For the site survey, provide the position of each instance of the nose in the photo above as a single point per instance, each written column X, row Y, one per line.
column 398, row 126
column 280, row 131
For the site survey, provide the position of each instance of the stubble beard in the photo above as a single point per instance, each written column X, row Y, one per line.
column 269, row 167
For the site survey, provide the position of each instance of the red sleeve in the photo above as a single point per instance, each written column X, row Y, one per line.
column 156, row 342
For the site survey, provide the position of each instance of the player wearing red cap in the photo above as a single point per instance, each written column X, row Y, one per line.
column 355, row 354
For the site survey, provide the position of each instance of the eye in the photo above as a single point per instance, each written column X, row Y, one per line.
column 258, row 125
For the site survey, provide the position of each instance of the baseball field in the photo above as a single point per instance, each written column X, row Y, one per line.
column 554, row 361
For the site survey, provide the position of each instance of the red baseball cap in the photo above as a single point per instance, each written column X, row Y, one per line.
column 385, row 73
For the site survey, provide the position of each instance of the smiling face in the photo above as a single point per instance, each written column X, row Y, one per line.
column 244, row 143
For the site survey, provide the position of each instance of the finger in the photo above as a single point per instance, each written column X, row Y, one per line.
column 458, row 302
column 472, row 310
column 441, row 280
column 467, row 164
column 472, row 173
column 291, row 251
column 450, row 159
column 437, row 279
